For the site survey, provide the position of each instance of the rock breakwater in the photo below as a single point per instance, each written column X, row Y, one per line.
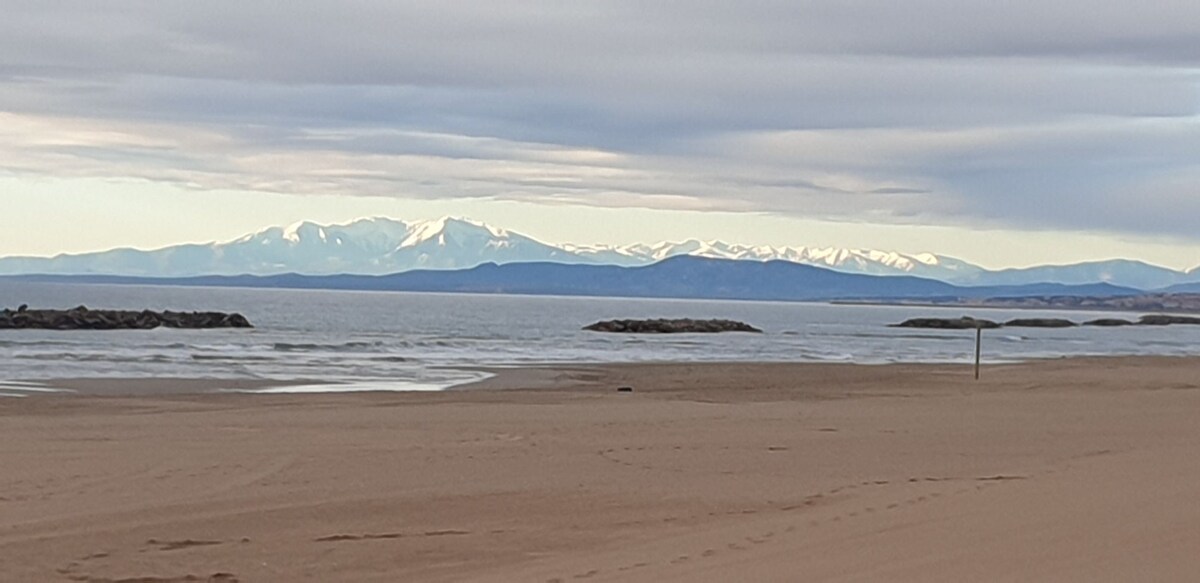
column 82, row 318
column 678, row 326
column 968, row 323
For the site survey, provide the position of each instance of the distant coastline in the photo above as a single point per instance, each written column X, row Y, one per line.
column 1188, row 303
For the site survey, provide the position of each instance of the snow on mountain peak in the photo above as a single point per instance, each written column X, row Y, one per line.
column 294, row 232
column 445, row 230
column 421, row 232
column 849, row 260
column 927, row 258
column 304, row 232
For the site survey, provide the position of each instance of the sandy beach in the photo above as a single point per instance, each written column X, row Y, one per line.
column 1064, row 470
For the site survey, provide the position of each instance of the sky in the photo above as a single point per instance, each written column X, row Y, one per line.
column 1006, row 133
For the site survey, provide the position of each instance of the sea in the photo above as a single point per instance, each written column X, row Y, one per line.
column 345, row 340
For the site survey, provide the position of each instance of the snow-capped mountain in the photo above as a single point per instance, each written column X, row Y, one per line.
column 367, row 246
column 379, row 246
column 847, row 260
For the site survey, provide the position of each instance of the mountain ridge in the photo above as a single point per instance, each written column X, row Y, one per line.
column 381, row 245
column 680, row 277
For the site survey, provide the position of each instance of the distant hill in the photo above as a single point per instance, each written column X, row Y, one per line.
column 1122, row 272
column 1184, row 288
column 684, row 277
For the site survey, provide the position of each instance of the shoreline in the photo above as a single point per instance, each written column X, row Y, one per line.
column 144, row 386
column 574, row 377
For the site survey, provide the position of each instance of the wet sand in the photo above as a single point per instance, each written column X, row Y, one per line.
column 156, row 387
column 1066, row 470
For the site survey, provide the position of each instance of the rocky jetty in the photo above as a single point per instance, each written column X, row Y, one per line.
column 671, row 326
column 1158, row 303
column 963, row 323
column 968, row 323
column 1039, row 323
column 1165, row 320
column 82, row 318
column 1108, row 322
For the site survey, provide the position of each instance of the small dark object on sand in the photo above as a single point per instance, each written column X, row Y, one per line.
column 624, row 389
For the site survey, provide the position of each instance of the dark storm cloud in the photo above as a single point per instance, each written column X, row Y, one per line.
column 1035, row 114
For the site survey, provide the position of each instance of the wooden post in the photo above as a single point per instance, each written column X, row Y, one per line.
column 978, row 348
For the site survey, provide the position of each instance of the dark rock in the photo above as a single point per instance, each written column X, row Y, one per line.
column 624, row 389
column 82, row 318
column 1109, row 322
column 963, row 323
column 670, row 326
column 1040, row 323
column 1165, row 320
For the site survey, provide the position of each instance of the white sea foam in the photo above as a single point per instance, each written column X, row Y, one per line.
column 23, row 388
column 355, row 387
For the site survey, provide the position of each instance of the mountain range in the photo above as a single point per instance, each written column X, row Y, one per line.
column 684, row 277
column 378, row 246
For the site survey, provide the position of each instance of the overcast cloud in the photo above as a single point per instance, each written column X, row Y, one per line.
column 1056, row 115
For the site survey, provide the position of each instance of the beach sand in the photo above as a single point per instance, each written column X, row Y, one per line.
column 1065, row 470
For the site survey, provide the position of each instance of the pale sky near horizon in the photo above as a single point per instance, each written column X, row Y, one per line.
column 1006, row 134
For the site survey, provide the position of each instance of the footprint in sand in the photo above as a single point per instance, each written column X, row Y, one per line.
column 357, row 537
column 175, row 545
column 214, row 578
column 447, row 533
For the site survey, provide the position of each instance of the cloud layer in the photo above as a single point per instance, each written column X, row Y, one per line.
column 1019, row 114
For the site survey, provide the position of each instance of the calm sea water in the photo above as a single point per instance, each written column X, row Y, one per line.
column 408, row 341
